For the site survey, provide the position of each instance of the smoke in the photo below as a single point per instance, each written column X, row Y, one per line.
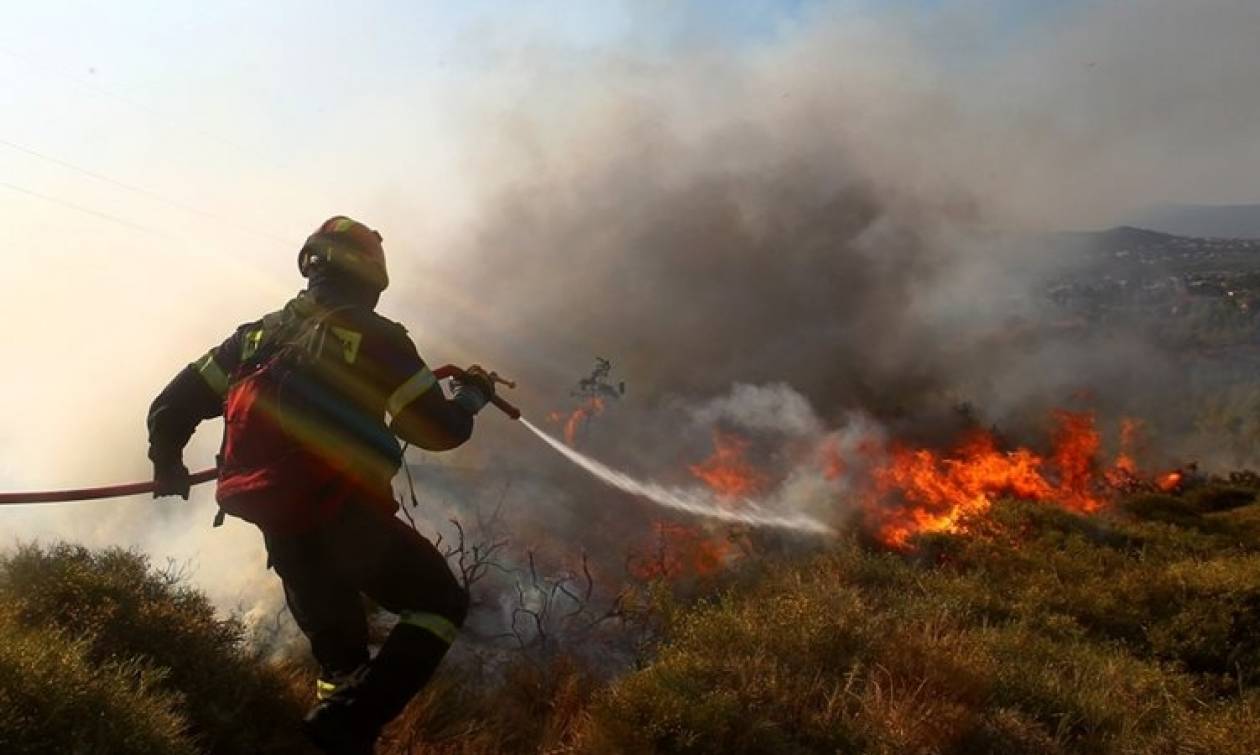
column 821, row 225
column 761, row 408
column 841, row 210
column 836, row 222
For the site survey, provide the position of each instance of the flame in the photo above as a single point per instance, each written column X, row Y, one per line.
column 1170, row 482
column 915, row 491
column 683, row 550
column 905, row 491
column 575, row 420
column 726, row 472
column 680, row 551
column 832, row 461
column 1124, row 474
column 1130, row 435
column 1076, row 445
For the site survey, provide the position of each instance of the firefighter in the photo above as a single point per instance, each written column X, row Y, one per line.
column 308, row 456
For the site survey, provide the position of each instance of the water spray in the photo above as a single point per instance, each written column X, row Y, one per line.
column 690, row 501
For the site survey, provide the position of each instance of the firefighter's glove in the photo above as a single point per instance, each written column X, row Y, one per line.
column 170, row 477
column 473, row 389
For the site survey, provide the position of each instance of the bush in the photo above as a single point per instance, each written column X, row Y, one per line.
column 130, row 618
column 1217, row 497
column 1158, row 507
column 1037, row 631
column 53, row 699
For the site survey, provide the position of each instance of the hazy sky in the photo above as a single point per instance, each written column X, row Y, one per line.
column 159, row 162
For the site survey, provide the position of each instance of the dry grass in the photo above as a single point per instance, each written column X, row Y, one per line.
column 1037, row 632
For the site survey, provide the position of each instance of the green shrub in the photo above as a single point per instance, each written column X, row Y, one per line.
column 54, row 699
column 131, row 616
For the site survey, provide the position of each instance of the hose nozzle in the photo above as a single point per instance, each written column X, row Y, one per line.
column 451, row 371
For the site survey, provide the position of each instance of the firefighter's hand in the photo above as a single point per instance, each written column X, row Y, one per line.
column 473, row 389
column 477, row 377
column 171, row 478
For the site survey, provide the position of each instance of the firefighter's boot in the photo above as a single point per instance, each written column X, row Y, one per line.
column 404, row 665
column 332, row 726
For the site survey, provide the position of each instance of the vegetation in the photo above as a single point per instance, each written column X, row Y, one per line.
column 1037, row 631
column 100, row 653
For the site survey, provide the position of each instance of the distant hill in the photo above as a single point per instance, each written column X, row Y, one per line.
column 1127, row 251
column 1239, row 221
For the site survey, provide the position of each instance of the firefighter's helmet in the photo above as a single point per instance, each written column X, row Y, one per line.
column 349, row 246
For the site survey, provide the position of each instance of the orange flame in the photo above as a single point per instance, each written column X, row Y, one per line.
column 1076, row 444
column 727, row 472
column 832, row 461
column 1170, row 482
column 575, row 420
column 1124, row 473
column 906, row 491
column 917, row 491
column 681, row 551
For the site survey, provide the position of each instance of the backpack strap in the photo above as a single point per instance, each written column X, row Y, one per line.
column 279, row 329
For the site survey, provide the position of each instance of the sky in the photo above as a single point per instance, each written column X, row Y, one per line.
column 160, row 163
column 153, row 151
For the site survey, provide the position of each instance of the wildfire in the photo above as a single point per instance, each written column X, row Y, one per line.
column 684, row 550
column 922, row 490
column 727, row 472
column 905, row 491
column 680, row 550
column 832, row 461
column 1123, row 474
column 1076, row 444
column 574, row 421
column 1170, row 482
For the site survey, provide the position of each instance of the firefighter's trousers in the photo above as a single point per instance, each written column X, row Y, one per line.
column 362, row 551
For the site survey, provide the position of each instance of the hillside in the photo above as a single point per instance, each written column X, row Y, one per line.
column 1032, row 630
column 1036, row 632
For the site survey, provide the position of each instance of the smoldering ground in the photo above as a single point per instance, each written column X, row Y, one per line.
column 838, row 208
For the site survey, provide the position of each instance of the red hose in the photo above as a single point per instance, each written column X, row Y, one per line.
column 91, row 494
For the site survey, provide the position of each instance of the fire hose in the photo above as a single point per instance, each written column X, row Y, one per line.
column 137, row 488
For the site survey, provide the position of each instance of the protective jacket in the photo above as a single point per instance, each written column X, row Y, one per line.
column 366, row 375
